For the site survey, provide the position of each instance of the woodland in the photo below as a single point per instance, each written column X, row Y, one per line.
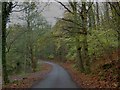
column 87, row 37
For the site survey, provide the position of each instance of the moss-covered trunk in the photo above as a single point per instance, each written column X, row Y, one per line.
column 4, row 67
column 85, row 43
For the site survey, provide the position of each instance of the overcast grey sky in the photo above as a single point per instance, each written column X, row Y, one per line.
column 50, row 12
column 53, row 10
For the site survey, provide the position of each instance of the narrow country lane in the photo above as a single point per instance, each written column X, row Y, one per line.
column 57, row 78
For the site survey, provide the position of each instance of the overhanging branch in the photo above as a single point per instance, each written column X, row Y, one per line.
column 64, row 6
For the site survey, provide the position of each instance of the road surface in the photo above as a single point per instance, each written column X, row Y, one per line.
column 57, row 78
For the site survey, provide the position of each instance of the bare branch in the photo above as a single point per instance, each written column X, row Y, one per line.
column 20, row 10
column 113, row 6
column 89, row 7
column 7, row 33
column 15, row 4
column 77, row 32
column 68, row 20
column 64, row 6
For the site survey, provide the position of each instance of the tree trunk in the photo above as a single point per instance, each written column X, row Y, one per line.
column 91, row 16
column 30, row 42
column 32, row 60
column 4, row 67
column 79, row 59
column 85, row 43
column 97, row 14
column 86, row 56
column 106, row 11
